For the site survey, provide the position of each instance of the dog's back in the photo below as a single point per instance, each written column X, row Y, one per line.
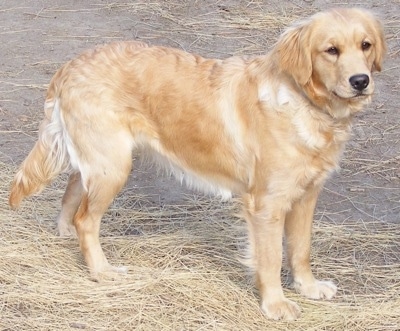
column 183, row 111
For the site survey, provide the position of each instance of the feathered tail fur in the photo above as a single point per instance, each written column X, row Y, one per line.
column 47, row 159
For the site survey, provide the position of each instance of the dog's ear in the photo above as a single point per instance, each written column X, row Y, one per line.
column 380, row 45
column 294, row 53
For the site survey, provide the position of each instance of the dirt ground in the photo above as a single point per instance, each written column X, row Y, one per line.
column 38, row 36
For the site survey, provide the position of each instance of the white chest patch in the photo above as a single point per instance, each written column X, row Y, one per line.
column 284, row 95
column 308, row 131
column 275, row 97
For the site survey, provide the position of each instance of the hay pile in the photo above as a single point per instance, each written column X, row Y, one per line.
column 184, row 271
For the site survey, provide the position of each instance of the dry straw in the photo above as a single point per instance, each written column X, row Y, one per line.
column 184, row 272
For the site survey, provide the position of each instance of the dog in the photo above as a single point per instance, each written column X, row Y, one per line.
column 269, row 129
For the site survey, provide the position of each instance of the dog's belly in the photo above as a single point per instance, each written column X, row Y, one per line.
column 221, row 187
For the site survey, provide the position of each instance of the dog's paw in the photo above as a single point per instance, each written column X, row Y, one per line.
column 281, row 310
column 317, row 289
column 66, row 228
column 108, row 273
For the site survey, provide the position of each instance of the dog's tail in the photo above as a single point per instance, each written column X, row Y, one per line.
column 48, row 158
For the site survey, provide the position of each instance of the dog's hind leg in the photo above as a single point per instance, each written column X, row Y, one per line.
column 101, row 183
column 70, row 204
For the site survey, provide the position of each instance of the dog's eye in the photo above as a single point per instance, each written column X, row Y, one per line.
column 332, row 51
column 365, row 45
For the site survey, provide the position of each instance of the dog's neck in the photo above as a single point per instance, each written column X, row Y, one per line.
column 339, row 109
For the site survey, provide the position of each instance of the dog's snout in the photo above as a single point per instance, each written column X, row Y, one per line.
column 359, row 82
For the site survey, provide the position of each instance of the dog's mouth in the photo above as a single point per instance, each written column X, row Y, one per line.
column 355, row 96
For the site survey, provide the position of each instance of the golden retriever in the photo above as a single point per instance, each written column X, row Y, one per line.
column 269, row 128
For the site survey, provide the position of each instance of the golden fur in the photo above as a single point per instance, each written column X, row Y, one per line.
column 269, row 128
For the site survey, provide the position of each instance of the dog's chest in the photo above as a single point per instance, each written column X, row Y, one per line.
column 320, row 145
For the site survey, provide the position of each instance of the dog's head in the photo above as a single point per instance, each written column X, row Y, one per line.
column 332, row 55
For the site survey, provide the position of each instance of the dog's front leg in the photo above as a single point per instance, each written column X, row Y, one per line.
column 298, row 228
column 265, row 221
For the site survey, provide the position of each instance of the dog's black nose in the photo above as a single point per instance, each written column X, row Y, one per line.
column 359, row 82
